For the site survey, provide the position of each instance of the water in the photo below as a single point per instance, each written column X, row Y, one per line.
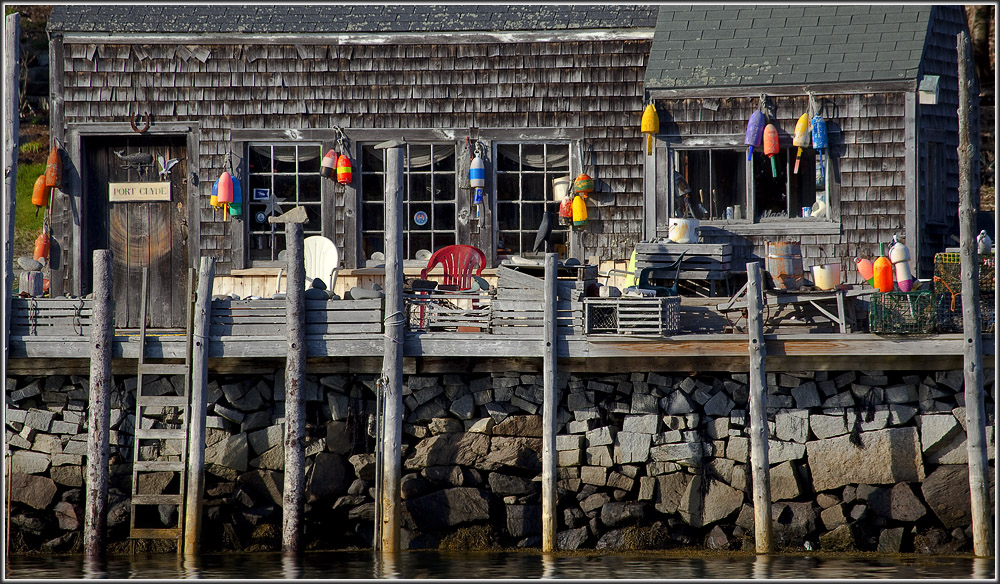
column 342, row 565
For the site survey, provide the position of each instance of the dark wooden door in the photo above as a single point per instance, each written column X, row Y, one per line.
column 150, row 234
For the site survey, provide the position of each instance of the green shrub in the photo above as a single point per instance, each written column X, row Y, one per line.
column 26, row 224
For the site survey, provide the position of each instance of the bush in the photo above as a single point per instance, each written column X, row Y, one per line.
column 27, row 225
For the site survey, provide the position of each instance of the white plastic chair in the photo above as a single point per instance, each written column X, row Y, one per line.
column 322, row 260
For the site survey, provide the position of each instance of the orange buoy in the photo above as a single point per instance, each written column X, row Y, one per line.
column 344, row 174
column 40, row 193
column 53, row 169
column 42, row 244
column 583, row 184
column 225, row 194
column 771, row 146
column 882, row 271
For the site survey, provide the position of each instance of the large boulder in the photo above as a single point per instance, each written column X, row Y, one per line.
column 671, row 489
column 447, row 508
column 32, row 490
column 792, row 522
column 525, row 426
column 615, row 513
column 946, row 491
column 265, row 486
column 842, row 539
column 464, row 448
column 571, row 539
column 889, row 456
column 718, row 502
column 515, row 452
column 327, row 477
column 504, row 484
column 524, row 520
column 230, row 452
column 784, row 482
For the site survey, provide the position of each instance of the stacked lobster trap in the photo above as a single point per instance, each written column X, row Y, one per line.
column 948, row 292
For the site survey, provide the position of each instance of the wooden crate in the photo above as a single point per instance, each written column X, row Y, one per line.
column 632, row 316
column 448, row 311
column 51, row 316
column 265, row 317
column 519, row 304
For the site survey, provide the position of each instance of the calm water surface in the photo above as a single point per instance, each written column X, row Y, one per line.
column 340, row 565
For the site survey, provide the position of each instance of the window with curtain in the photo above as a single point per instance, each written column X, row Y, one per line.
column 281, row 177
column 524, row 191
column 429, row 199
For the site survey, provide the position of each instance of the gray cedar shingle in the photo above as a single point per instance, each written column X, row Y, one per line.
column 788, row 44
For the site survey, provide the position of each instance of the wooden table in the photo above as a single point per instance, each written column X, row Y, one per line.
column 780, row 298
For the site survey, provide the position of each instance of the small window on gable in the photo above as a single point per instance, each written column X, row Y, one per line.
column 281, row 176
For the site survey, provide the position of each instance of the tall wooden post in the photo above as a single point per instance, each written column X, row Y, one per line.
column 98, row 425
column 197, row 408
column 760, row 468
column 549, row 406
column 295, row 403
column 392, row 360
column 975, row 420
column 11, row 129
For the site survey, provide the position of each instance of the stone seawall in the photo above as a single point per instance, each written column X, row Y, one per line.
column 860, row 460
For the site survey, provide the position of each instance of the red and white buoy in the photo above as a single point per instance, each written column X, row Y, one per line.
column 328, row 166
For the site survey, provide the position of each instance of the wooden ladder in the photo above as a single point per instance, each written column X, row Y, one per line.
column 161, row 434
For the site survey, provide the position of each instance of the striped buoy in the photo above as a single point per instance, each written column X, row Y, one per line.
column 579, row 212
column 225, row 193
column 53, row 169
column 344, row 174
column 214, row 199
column 477, row 172
column 583, row 184
column 327, row 169
column 565, row 211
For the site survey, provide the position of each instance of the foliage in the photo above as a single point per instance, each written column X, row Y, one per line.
column 32, row 147
column 26, row 225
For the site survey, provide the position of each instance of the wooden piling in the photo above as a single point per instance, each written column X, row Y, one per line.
column 11, row 129
column 295, row 403
column 392, row 361
column 101, row 337
column 760, row 468
column 975, row 419
column 197, row 408
column 549, row 406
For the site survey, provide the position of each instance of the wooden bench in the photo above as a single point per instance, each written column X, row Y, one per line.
column 707, row 262
column 838, row 309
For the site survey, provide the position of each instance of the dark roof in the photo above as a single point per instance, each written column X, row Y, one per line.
column 760, row 45
column 339, row 18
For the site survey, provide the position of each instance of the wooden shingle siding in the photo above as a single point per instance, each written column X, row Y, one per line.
column 594, row 85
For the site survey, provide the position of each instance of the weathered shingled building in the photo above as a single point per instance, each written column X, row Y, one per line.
column 543, row 91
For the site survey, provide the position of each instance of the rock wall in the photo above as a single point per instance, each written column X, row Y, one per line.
column 862, row 460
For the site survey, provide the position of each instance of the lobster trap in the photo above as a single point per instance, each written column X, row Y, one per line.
column 900, row 313
column 948, row 292
column 632, row 316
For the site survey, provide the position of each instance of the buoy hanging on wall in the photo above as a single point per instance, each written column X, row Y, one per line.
column 42, row 243
column 344, row 174
column 236, row 207
column 755, row 132
column 579, row 212
column 800, row 138
column 225, row 192
column 53, row 169
column 214, row 199
column 327, row 168
column 771, row 146
column 40, row 194
column 650, row 125
column 583, row 184
column 477, row 172
column 566, row 210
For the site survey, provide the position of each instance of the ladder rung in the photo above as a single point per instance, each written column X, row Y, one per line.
column 157, row 500
column 157, row 465
column 162, row 400
column 161, row 433
column 161, row 533
column 163, row 368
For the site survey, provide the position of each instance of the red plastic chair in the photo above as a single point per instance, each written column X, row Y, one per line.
column 458, row 261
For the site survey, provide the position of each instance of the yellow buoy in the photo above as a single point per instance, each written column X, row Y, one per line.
column 579, row 212
column 650, row 126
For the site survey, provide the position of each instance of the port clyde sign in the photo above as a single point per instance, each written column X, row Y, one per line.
column 138, row 192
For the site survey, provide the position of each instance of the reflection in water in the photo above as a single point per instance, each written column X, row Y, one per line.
column 365, row 564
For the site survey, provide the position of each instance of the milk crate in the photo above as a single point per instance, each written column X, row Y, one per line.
column 902, row 312
column 632, row 316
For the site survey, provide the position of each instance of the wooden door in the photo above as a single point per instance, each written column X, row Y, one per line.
column 139, row 234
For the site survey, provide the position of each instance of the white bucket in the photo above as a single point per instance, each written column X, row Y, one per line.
column 682, row 230
column 826, row 276
column 560, row 188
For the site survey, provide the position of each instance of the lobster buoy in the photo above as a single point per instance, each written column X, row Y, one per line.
column 40, row 193
column 819, row 141
column 579, row 212
column 583, row 184
column 755, row 132
column 53, row 169
column 236, row 207
column 866, row 269
column 650, row 125
column 225, row 192
column 477, row 172
column 214, row 199
column 344, row 174
column 800, row 138
column 899, row 255
column 882, row 269
column 566, row 211
column 42, row 243
column 327, row 168
column 771, row 146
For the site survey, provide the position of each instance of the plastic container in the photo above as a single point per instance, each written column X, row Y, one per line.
column 826, row 276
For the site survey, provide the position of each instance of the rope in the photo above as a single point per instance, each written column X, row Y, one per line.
column 950, row 291
column 401, row 320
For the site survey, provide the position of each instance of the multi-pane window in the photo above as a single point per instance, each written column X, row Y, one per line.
column 717, row 182
column 281, row 176
column 524, row 174
column 429, row 199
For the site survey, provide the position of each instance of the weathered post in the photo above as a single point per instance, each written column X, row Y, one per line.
column 292, row 501
column 975, row 420
column 197, row 408
column 392, row 360
column 101, row 336
column 549, row 406
column 11, row 129
column 760, row 469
